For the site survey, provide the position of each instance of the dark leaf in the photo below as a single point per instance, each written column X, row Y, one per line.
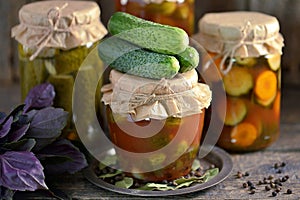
column 16, row 112
column 40, row 96
column 41, row 143
column 5, row 128
column 2, row 117
column 17, row 133
column 6, row 193
column 47, row 123
column 21, row 171
column 22, row 145
column 62, row 149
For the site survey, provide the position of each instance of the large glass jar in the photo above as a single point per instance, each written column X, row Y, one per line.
column 246, row 48
column 179, row 13
column 157, row 137
column 54, row 38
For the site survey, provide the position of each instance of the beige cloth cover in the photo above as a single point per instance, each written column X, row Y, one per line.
column 58, row 24
column 157, row 99
column 240, row 33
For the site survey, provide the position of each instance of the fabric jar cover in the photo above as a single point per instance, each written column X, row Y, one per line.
column 144, row 98
column 239, row 34
column 58, row 24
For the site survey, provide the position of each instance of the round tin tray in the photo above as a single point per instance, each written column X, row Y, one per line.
column 217, row 157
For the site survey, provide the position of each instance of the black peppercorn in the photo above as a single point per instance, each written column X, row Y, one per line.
column 252, row 187
column 267, row 188
column 249, row 183
column 245, row 185
column 274, row 193
column 270, row 177
column 283, row 164
column 289, row 191
column 260, row 182
column 246, row 174
column 276, row 165
column 279, row 171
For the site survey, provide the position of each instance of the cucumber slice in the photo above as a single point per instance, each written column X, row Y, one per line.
column 274, row 61
column 165, row 8
column 238, row 81
column 249, row 62
column 236, row 111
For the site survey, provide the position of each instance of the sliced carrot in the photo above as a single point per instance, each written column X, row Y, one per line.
column 266, row 85
column 236, row 111
column 244, row 134
column 276, row 106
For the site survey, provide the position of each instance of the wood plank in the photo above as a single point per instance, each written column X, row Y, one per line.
column 258, row 164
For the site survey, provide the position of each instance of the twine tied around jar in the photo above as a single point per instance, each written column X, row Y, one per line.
column 230, row 53
column 53, row 16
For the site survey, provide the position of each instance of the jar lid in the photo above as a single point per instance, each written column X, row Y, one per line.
column 240, row 33
column 58, row 24
column 156, row 99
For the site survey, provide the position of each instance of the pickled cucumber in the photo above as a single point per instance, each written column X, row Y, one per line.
column 63, row 85
column 188, row 60
column 274, row 61
column 238, row 81
column 165, row 8
column 236, row 111
column 249, row 62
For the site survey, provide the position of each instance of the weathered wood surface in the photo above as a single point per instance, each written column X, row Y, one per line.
column 258, row 164
column 285, row 10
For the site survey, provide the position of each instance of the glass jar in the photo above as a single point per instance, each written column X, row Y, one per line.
column 154, row 140
column 54, row 38
column 179, row 13
column 246, row 48
column 186, row 145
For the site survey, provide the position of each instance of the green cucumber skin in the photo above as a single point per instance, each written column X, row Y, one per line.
column 188, row 60
column 128, row 58
column 149, row 35
column 147, row 64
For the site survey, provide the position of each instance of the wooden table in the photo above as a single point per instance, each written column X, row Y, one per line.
column 258, row 164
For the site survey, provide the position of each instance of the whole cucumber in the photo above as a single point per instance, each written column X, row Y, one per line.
column 129, row 58
column 188, row 60
column 149, row 35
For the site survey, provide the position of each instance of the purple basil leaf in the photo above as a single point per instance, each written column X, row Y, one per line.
column 22, row 145
column 2, row 117
column 69, row 158
column 6, row 193
column 47, row 123
column 5, row 128
column 17, row 133
column 21, row 171
column 40, row 96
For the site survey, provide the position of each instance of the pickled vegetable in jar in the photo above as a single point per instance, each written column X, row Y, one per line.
column 179, row 13
column 54, row 38
column 246, row 47
column 160, row 120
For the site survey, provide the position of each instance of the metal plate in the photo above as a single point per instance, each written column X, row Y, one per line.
column 217, row 157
